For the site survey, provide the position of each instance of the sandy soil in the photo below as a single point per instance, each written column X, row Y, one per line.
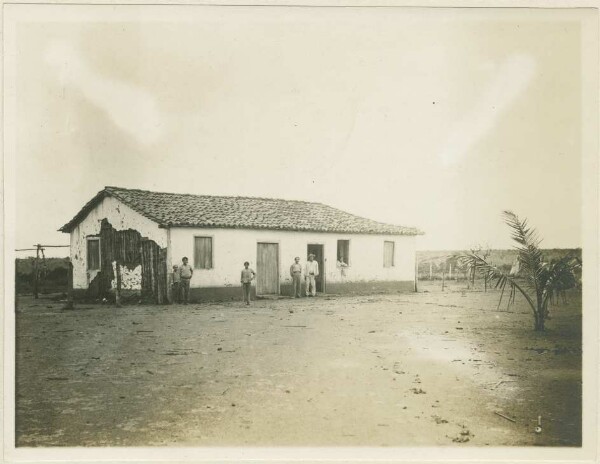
column 430, row 369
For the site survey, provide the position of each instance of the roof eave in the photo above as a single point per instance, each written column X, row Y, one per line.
column 409, row 233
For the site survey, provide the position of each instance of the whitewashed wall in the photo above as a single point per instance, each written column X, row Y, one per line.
column 121, row 217
column 231, row 247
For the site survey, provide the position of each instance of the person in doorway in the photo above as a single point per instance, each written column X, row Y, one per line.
column 185, row 272
column 248, row 276
column 296, row 273
column 311, row 271
column 176, row 287
column 341, row 265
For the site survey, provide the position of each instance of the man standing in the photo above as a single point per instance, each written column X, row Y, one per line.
column 296, row 273
column 176, row 284
column 185, row 272
column 311, row 271
column 246, row 279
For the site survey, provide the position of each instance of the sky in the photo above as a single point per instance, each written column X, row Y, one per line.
column 427, row 118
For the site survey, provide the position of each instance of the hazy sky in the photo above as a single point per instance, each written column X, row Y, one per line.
column 423, row 118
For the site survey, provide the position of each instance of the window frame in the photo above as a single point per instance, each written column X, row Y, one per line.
column 87, row 252
column 212, row 252
column 393, row 264
column 348, row 260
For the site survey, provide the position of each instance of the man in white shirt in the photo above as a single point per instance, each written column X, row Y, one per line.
column 296, row 273
column 311, row 270
column 185, row 272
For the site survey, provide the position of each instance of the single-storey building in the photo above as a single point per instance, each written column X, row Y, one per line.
column 136, row 236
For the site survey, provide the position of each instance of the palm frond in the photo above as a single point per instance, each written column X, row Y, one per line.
column 475, row 263
column 536, row 280
column 529, row 253
column 560, row 276
column 521, row 233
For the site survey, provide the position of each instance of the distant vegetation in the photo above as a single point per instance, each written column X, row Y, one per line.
column 442, row 261
column 56, row 268
column 53, row 273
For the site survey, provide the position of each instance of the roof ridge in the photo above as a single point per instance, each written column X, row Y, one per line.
column 218, row 196
column 171, row 209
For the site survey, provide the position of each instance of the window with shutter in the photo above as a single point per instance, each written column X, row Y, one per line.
column 388, row 254
column 203, row 253
column 93, row 253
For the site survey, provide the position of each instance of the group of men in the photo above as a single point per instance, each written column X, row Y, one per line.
column 310, row 270
column 182, row 276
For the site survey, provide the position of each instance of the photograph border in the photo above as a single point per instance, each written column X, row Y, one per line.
column 589, row 452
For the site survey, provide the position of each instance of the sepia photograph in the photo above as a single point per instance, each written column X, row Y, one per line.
column 300, row 227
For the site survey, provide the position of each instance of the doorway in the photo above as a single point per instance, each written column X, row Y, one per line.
column 267, row 269
column 317, row 250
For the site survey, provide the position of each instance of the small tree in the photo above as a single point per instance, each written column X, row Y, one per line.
column 537, row 280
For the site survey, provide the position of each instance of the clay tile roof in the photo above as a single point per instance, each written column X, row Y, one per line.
column 186, row 210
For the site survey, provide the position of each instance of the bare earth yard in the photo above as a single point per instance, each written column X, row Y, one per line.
column 430, row 368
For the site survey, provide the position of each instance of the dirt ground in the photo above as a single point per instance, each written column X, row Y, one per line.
column 429, row 368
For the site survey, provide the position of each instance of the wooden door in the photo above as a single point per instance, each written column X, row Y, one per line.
column 267, row 269
column 149, row 282
column 154, row 272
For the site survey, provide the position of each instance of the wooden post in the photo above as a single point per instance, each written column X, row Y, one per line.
column 416, row 274
column 144, row 285
column 449, row 271
column 485, row 279
column 161, row 276
column 36, row 272
column 170, row 296
column 69, row 303
column 153, row 276
column 443, row 277
column 16, row 290
column 168, row 269
column 118, row 289
column 431, row 271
